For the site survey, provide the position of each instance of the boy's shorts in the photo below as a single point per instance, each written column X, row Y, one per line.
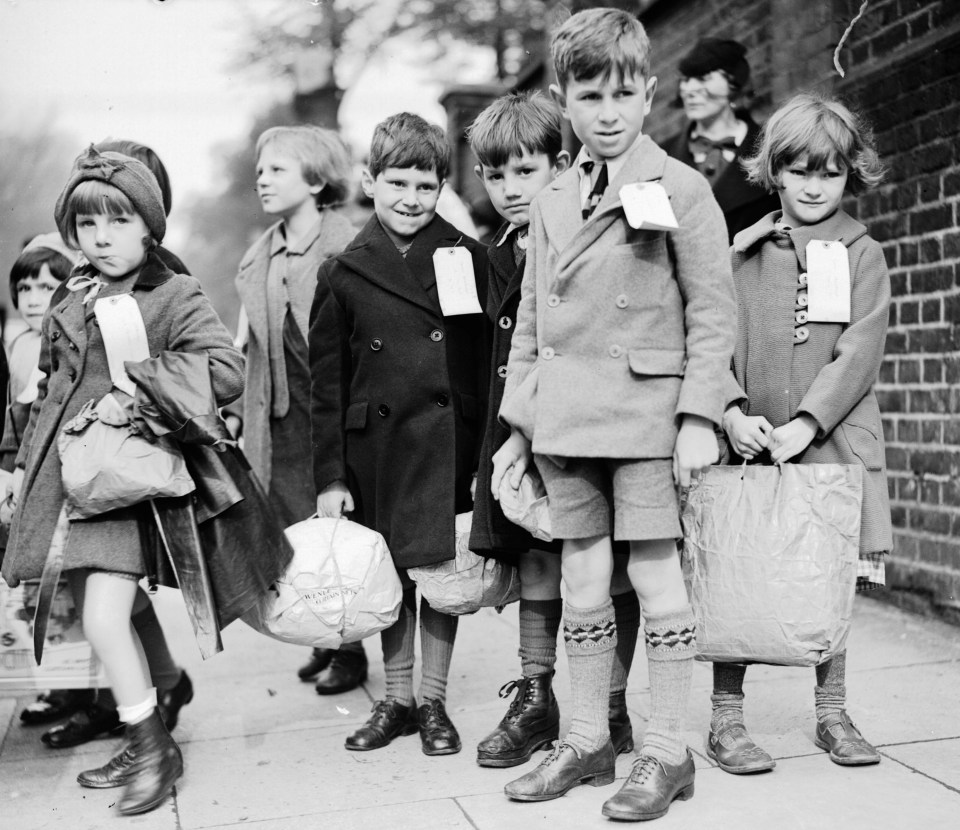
column 628, row 499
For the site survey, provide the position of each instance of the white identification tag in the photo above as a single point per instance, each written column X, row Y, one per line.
column 124, row 337
column 455, row 283
column 647, row 207
column 828, row 282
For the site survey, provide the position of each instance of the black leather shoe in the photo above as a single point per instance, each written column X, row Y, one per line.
column 562, row 770
column 346, row 671
column 390, row 719
column 735, row 752
column 847, row 747
column 651, row 788
column 56, row 705
column 115, row 773
column 438, row 735
column 319, row 660
column 532, row 721
column 621, row 730
column 157, row 764
column 173, row 700
column 89, row 723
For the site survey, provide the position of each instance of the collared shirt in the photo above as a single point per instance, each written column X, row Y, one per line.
column 614, row 166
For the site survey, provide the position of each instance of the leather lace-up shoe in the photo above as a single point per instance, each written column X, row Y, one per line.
column 90, row 722
column 621, row 730
column 390, row 719
column 847, row 747
column 319, row 660
column 438, row 735
column 346, row 671
column 562, row 770
column 173, row 700
column 651, row 788
column 531, row 722
column 157, row 764
column 115, row 773
column 734, row 751
column 56, row 705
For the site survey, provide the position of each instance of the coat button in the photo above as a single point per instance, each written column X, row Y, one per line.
column 442, row 399
column 800, row 317
column 55, row 334
column 376, row 344
column 383, row 410
column 547, row 353
column 802, row 279
column 436, row 335
column 622, row 301
column 553, row 301
column 615, row 351
column 72, row 374
column 72, row 347
column 801, row 334
column 501, row 371
column 802, row 299
column 505, row 322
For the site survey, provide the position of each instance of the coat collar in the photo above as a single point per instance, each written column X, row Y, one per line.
column 839, row 227
column 506, row 275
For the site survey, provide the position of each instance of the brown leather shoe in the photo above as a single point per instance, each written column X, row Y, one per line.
column 531, row 722
column 346, row 671
column 621, row 730
column 847, row 747
column 319, row 660
column 651, row 788
column 389, row 720
column 734, row 751
column 438, row 735
column 115, row 773
column 562, row 770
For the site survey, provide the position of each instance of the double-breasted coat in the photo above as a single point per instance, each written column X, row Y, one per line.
column 830, row 375
column 398, row 390
column 177, row 316
column 620, row 332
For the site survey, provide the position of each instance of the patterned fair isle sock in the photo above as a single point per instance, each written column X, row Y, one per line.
column 398, row 643
column 437, row 634
column 590, row 636
column 671, row 644
column 727, row 697
column 539, row 626
column 830, row 693
column 626, row 611
column 164, row 672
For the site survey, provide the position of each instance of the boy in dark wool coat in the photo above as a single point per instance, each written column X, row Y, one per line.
column 398, row 358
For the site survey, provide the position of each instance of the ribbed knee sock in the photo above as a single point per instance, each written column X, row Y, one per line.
column 164, row 672
column 830, row 693
column 399, row 641
column 437, row 634
column 539, row 626
column 590, row 639
column 671, row 644
column 626, row 611
column 727, row 697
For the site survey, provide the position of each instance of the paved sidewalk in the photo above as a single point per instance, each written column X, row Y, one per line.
column 263, row 751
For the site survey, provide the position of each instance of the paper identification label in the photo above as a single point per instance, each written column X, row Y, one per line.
column 455, row 283
column 828, row 282
column 124, row 337
column 647, row 207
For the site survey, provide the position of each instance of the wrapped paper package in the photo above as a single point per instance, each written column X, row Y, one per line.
column 527, row 506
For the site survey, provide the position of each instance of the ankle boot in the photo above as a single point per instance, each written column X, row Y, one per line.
column 115, row 773
column 531, row 722
column 156, row 767
column 621, row 730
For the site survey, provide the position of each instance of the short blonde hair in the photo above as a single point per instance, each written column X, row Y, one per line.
column 598, row 42
column 323, row 156
column 823, row 130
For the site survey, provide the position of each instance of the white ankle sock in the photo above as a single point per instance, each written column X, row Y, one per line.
column 139, row 711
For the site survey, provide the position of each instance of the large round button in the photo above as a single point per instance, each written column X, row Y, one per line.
column 802, row 299
column 547, row 353
column 383, row 410
column 553, row 301
column 615, row 351
column 505, row 322
column 622, row 301
column 72, row 346
column 376, row 344
column 55, row 334
column 501, row 371
column 800, row 317
column 801, row 334
column 436, row 335
column 442, row 399
column 802, row 279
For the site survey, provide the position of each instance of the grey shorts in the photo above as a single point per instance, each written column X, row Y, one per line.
column 628, row 499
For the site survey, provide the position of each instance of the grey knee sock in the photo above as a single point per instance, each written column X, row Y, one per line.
column 398, row 643
column 727, row 697
column 437, row 634
column 164, row 672
column 590, row 638
column 830, row 693
column 626, row 611
column 539, row 626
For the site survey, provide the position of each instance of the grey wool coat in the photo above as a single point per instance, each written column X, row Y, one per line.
column 335, row 234
column 831, row 375
column 177, row 317
column 620, row 332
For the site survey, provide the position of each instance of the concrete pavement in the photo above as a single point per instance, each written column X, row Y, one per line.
column 263, row 750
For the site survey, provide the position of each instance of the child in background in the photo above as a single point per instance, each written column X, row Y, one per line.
column 813, row 151
column 615, row 381
column 111, row 208
column 518, row 142
column 397, row 402
column 303, row 174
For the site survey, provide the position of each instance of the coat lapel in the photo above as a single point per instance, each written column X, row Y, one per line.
column 507, row 275
column 251, row 284
column 69, row 314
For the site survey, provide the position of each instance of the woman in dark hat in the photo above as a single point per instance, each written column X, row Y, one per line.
column 714, row 82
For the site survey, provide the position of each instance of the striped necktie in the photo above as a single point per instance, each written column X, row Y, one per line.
column 598, row 188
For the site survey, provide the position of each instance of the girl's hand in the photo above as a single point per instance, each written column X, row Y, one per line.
column 334, row 501
column 513, row 457
column 696, row 449
column 748, row 434
column 792, row 438
column 111, row 411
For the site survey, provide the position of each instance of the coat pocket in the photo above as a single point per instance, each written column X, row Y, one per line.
column 865, row 445
column 356, row 416
column 657, row 362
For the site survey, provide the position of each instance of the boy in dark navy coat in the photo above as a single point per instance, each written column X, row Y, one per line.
column 397, row 403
